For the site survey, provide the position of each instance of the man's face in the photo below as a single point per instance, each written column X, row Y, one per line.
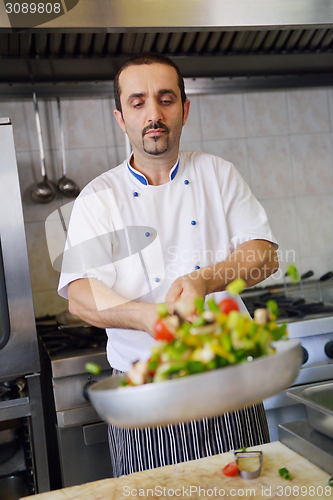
column 152, row 112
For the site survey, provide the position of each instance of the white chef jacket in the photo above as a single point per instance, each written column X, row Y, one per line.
column 138, row 238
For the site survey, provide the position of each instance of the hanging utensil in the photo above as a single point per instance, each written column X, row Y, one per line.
column 304, row 277
column 44, row 191
column 324, row 277
column 66, row 186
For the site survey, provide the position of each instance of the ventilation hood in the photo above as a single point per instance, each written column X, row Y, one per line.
column 229, row 43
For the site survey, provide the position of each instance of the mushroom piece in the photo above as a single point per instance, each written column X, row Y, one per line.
column 261, row 316
column 184, row 308
column 137, row 372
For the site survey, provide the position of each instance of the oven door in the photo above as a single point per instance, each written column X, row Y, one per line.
column 18, row 338
column 84, row 453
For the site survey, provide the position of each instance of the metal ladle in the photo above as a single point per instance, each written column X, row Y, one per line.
column 66, row 186
column 44, row 191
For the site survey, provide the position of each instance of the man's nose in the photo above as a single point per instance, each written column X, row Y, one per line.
column 154, row 111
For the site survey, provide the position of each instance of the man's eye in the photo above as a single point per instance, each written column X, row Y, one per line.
column 138, row 105
column 166, row 101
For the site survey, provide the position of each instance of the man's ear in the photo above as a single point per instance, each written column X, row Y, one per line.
column 186, row 110
column 119, row 118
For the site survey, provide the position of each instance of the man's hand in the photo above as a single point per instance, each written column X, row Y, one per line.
column 188, row 287
column 253, row 261
column 95, row 303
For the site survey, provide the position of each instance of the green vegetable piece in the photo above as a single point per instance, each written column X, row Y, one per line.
column 233, row 318
column 200, row 321
column 279, row 332
column 273, row 307
column 162, row 310
column 236, row 286
column 212, row 305
column 253, row 329
column 285, row 473
column 199, row 303
column 330, row 481
column 93, row 368
column 212, row 365
column 293, row 273
column 153, row 364
column 226, row 342
column 195, row 367
column 176, row 367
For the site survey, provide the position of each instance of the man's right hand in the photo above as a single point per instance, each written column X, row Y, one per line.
column 98, row 305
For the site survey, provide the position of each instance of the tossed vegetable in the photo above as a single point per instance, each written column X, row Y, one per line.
column 285, row 473
column 93, row 368
column 231, row 469
column 293, row 273
column 217, row 335
column 236, row 286
column 228, row 305
column 162, row 332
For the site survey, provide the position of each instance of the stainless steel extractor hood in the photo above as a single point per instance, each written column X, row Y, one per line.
column 240, row 39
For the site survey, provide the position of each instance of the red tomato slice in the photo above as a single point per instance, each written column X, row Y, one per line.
column 162, row 332
column 230, row 469
column 228, row 305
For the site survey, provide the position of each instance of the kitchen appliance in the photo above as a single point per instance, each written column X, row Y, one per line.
column 312, row 437
column 197, row 396
column 258, row 45
column 309, row 320
column 318, row 401
column 76, row 438
column 20, row 393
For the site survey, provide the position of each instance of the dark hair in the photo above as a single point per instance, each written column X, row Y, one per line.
column 147, row 58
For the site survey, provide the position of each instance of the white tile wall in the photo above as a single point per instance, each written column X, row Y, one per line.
column 266, row 113
column 280, row 141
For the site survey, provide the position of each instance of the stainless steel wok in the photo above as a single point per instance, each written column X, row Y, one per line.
column 197, row 396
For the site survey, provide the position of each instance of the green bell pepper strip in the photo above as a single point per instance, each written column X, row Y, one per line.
column 236, row 286
column 93, row 368
column 285, row 473
column 293, row 273
column 162, row 310
column 212, row 305
column 273, row 307
column 199, row 303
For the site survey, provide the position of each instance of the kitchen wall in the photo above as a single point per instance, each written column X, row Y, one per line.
column 280, row 141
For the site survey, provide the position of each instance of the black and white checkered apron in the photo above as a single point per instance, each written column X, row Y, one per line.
column 133, row 450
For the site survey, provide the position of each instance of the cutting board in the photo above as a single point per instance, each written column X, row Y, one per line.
column 203, row 479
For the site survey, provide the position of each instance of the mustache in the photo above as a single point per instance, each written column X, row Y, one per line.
column 155, row 126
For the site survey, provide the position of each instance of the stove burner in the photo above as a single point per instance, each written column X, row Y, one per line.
column 57, row 340
column 289, row 308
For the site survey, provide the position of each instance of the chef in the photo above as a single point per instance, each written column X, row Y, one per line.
column 161, row 226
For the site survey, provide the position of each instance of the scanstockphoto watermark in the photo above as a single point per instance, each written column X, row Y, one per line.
column 250, row 256
column 187, row 492
column 250, row 264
